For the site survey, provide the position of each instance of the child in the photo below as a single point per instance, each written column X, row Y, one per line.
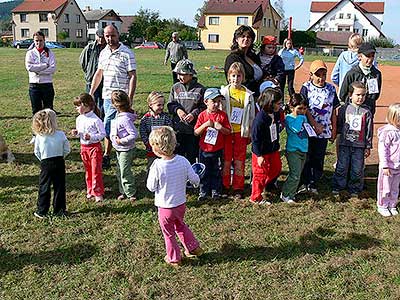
column 123, row 134
column 271, row 63
column 154, row 118
column 239, row 106
column 365, row 72
column 389, row 163
column 212, row 126
column 90, row 130
column 185, row 104
column 322, row 101
column 51, row 146
column 167, row 178
column 354, row 126
column 265, row 160
column 296, row 145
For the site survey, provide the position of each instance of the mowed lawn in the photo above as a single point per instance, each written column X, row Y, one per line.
column 322, row 248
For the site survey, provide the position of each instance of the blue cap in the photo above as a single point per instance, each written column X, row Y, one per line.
column 266, row 85
column 212, row 93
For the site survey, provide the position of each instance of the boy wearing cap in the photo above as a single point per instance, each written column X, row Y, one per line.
column 212, row 125
column 366, row 73
column 185, row 104
column 322, row 102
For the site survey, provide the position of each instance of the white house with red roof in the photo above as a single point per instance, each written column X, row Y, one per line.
column 365, row 18
column 51, row 17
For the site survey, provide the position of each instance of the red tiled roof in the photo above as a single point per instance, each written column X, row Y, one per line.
column 126, row 23
column 234, row 6
column 333, row 38
column 368, row 7
column 39, row 5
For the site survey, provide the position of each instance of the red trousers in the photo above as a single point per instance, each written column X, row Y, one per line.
column 234, row 152
column 92, row 157
column 263, row 175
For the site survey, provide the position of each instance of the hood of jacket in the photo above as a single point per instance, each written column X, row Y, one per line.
column 350, row 57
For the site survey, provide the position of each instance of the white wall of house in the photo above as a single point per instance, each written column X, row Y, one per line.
column 101, row 24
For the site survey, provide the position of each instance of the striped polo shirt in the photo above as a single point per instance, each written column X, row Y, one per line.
column 116, row 65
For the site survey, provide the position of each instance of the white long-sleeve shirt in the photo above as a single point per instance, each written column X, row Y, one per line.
column 40, row 66
column 90, row 123
column 167, row 178
column 51, row 145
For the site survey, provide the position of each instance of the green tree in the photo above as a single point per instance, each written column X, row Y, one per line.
column 144, row 19
column 200, row 11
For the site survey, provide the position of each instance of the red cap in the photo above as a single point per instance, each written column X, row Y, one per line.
column 269, row 40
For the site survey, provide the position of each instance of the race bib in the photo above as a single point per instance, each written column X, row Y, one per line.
column 236, row 115
column 274, row 132
column 355, row 122
column 372, row 86
column 211, row 136
column 318, row 102
column 310, row 131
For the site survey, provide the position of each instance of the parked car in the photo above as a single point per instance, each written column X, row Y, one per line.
column 52, row 45
column 194, row 45
column 150, row 45
column 22, row 43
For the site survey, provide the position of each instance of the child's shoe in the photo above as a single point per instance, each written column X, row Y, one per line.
column 132, row 199
column 287, row 199
column 39, row 215
column 215, row 195
column 393, row 211
column 312, row 189
column 302, row 189
column 121, row 197
column 173, row 264
column 238, row 194
column 98, row 199
column 88, row 196
column 194, row 253
column 384, row 211
column 61, row 214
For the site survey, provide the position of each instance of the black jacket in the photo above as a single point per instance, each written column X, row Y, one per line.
column 276, row 68
column 261, row 143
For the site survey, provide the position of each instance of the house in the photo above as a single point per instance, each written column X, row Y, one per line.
column 365, row 18
column 222, row 17
column 52, row 17
column 100, row 18
column 126, row 23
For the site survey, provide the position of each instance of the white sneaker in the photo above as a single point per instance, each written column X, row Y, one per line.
column 287, row 199
column 98, row 199
column 302, row 189
column 393, row 211
column 384, row 211
column 313, row 190
column 32, row 141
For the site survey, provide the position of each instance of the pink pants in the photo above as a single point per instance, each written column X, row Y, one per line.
column 92, row 157
column 388, row 188
column 171, row 223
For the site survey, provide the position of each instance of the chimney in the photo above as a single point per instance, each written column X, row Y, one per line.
column 87, row 8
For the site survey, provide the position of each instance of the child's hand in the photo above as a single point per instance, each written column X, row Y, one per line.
column 181, row 114
column 367, row 152
column 117, row 140
column 188, row 118
column 318, row 128
column 74, row 132
column 386, row 172
column 260, row 160
column 217, row 125
column 86, row 136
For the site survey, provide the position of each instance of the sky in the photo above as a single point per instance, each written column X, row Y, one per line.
column 186, row 9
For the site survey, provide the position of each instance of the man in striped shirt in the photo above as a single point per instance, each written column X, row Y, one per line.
column 117, row 68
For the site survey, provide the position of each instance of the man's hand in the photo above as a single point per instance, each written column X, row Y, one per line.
column 386, row 172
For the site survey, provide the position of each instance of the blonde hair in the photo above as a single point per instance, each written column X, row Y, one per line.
column 154, row 96
column 163, row 140
column 393, row 114
column 237, row 67
column 120, row 100
column 44, row 122
column 355, row 40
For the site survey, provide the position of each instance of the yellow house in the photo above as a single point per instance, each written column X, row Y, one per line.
column 222, row 17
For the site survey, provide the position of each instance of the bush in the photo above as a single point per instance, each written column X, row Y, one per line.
column 300, row 38
column 381, row 42
column 73, row 44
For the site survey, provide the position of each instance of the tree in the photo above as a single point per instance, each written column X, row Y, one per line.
column 144, row 19
column 278, row 5
column 200, row 11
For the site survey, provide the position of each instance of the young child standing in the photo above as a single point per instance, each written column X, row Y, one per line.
column 296, row 145
column 185, row 104
column 51, row 146
column 167, row 179
column 322, row 102
column 153, row 119
column 239, row 106
column 212, row 126
column 123, row 134
column 265, row 160
column 389, row 163
column 90, row 130
column 354, row 126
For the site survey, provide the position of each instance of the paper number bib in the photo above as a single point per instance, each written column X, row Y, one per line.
column 355, row 122
column 236, row 115
column 274, row 132
column 211, row 136
column 309, row 129
column 372, row 86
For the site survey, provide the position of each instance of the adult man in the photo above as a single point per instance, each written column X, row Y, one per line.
column 117, row 66
column 175, row 52
column 89, row 60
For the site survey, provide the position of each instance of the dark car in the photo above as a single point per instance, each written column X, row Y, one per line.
column 23, row 43
column 194, row 45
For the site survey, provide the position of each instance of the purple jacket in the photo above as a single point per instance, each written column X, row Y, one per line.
column 123, row 127
column 389, row 147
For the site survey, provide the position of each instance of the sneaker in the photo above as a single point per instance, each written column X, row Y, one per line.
column 302, row 189
column 287, row 199
column 61, row 214
column 173, row 264
column 237, row 195
column 99, row 199
column 194, row 253
column 88, row 196
column 106, row 162
column 264, row 202
column 384, row 211
column 32, row 141
column 202, row 198
column 132, row 199
column 393, row 211
column 121, row 197
column 312, row 190
column 335, row 192
column 353, row 195
column 215, row 195
column 39, row 215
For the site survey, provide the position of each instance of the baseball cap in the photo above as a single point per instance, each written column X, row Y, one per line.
column 100, row 32
column 266, row 85
column 185, row 66
column 269, row 40
column 212, row 93
column 366, row 48
column 316, row 65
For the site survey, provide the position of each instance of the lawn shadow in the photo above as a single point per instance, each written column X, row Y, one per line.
column 71, row 255
column 108, row 207
column 318, row 242
column 15, row 117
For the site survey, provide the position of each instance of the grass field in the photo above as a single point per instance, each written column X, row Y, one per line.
column 322, row 248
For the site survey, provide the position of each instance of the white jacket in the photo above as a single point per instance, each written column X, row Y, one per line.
column 40, row 66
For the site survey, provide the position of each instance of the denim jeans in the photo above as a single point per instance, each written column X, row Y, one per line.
column 349, row 158
column 212, row 180
column 109, row 114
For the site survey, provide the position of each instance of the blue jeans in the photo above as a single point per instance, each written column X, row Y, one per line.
column 211, row 182
column 98, row 98
column 353, row 158
column 109, row 114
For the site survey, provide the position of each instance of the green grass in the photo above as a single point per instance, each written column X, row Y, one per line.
column 322, row 248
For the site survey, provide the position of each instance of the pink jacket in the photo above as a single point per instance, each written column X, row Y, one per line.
column 389, row 147
column 40, row 66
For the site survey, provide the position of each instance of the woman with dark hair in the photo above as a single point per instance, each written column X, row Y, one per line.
column 242, row 51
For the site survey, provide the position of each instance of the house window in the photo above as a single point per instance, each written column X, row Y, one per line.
column 22, row 18
column 344, row 28
column 91, row 24
column 103, row 24
column 341, row 16
column 66, row 30
column 42, row 17
column 79, row 33
column 66, row 18
column 365, row 32
column 277, row 24
column 213, row 38
column 348, row 16
column 242, row 20
column 78, row 18
column 24, row 33
column 45, row 31
column 213, row 21
column 92, row 37
column 356, row 30
column 269, row 22
column 264, row 22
